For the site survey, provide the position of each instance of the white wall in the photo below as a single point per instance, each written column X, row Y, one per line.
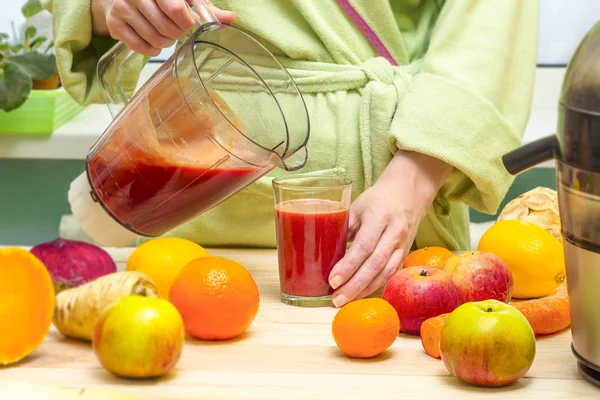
column 563, row 23
column 11, row 10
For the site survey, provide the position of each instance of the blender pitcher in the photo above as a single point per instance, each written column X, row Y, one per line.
column 220, row 113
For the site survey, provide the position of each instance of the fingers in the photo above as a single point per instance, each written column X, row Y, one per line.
column 385, row 275
column 227, row 17
column 127, row 24
column 120, row 30
column 146, row 26
column 362, row 247
column 178, row 12
column 370, row 272
column 163, row 24
column 147, row 31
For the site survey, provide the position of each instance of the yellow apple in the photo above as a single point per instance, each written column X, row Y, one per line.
column 487, row 343
column 139, row 337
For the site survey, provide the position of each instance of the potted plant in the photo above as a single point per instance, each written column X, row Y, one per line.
column 32, row 99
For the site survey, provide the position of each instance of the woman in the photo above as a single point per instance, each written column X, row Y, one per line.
column 443, row 90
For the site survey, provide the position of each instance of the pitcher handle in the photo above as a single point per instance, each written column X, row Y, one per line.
column 112, row 64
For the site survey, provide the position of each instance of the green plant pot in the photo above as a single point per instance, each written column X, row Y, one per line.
column 41, row 114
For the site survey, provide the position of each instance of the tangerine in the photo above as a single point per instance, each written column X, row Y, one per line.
column 366, row 327
column 430, row 256
column 217, row 298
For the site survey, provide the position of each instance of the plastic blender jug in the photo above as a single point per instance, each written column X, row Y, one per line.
column 220, row 113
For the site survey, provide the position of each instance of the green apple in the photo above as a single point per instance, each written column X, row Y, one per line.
column 487, row 343
column 139, row 337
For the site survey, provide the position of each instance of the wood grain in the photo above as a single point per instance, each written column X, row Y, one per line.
column 289, row 353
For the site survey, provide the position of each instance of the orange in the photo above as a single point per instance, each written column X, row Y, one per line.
column 366, row 327
column 26, row 304
column 431, row 256
column 533, row 255
column 217, row 298
column 162, row 259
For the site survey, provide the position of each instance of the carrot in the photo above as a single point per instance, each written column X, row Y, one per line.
column 26, row 304
column 431, row 330
column 549, row 314
column 78, row 308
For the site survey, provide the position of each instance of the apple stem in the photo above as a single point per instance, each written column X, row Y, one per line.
column 424, row 272
column 489, row 310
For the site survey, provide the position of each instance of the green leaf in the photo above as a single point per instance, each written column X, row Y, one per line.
column 16, row 48
column 4, row 46
column 37, row 43
column 4, row 36
column 50, row 45
column 31, row 8
column 15, row 86
column 39, row 66
column 30, row 32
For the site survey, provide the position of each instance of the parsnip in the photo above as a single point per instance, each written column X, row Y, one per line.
column 78, row 308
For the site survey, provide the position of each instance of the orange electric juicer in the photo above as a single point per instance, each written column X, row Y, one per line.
column 220, row 113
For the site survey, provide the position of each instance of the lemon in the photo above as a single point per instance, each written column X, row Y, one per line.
column 162, row 259
column 533, row 255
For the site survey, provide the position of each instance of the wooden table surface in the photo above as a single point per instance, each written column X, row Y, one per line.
column 289, row 353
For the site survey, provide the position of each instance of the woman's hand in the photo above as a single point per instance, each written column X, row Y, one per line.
column 383, row 224
column 147, row 26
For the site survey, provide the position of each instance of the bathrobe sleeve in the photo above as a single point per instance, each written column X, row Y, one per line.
column 470, row 100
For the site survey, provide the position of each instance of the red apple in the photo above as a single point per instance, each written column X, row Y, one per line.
column 419, row 293
column 487, row 343
column 480, row 276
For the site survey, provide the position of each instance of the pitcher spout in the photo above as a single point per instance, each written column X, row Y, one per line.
column 293, row 162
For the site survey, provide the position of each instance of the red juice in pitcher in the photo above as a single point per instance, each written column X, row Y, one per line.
column 311, row 237
column 151, row 198
column 161, row 165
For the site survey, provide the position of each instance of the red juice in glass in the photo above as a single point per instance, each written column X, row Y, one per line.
column 311, row 239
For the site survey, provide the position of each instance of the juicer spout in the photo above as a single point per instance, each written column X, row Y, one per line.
column 530, row 155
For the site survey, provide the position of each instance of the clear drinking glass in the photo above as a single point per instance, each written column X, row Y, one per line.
column 311, row 219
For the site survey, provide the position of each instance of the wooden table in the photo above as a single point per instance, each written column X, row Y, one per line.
column 289, row 353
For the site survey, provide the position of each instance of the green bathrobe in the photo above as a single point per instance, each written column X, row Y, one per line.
column 461, row 91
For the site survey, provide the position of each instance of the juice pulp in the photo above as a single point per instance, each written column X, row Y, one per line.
column 311, row 239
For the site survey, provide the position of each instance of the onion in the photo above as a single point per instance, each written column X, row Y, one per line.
column 72, row 263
